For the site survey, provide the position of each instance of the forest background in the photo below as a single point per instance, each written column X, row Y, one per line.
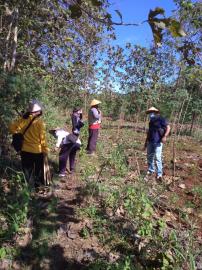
column 64, row 53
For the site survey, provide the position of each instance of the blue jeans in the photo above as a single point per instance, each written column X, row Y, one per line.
column 154, row 153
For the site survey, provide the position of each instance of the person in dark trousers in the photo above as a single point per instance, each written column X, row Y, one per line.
column 69, row 144
column 94, row 121
column 34, row 146
column 77, row 122
column 157, row 134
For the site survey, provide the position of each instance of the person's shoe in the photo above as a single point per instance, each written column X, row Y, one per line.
column 159, row 178
column 93, row 154
column 70, row 171
column 61, row 175
column 149, row 173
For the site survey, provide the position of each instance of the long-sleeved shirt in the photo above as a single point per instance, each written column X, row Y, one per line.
column 157, row 125
column 77, row 123
column 34, row 137
column 62, row 137
column 94, row 118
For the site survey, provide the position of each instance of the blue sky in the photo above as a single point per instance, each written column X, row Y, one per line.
column 137, row 11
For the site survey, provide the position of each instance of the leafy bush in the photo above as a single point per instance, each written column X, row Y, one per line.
column 14, row 200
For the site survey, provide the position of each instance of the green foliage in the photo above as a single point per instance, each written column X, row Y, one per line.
column 2, row 253
column 84, row 233
column 76, row 10
column 8, row 252
column 198, row 191
column 111, row 103
column 117, row 160
column 15, row 205
column 159, row 24
column 15, row 93
column 124, row 264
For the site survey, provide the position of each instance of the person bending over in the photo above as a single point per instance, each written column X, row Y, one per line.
column 69, row 144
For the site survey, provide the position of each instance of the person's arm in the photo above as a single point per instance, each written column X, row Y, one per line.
column 74, row 121
column 43, row 140
column 96, row 113
column 59, row 140
column 146, row 141
column 164, row 138
column 16, row 126
column 100, row 116
column 80, row 124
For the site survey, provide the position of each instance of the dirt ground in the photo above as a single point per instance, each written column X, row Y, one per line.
column 67, row 247
column 72, row 251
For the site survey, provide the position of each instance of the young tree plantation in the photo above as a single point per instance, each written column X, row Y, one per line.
column 107, row 215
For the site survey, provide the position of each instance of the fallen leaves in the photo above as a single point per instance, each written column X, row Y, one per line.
column 182, row 186
column 169, row 216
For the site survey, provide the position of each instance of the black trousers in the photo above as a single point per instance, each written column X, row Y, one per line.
column 68, row 151
column 32, row 165
column 92, row 140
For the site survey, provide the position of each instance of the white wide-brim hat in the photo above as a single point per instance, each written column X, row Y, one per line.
column 34, row 106
column 152, row 109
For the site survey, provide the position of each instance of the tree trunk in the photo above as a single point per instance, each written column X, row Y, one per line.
column 192, row 122
column 9, row 54
column 15, row 40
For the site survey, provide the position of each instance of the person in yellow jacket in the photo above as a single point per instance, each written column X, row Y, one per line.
column 34, row 146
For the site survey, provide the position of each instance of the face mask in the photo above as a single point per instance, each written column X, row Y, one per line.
column 151, row 115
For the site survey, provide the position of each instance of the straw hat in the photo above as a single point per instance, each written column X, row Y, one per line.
column 54, row 129
column 95, row 102
column 34, row 106
column 152, row 109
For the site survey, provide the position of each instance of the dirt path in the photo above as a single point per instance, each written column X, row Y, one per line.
column 83, row 223
column 69, row 250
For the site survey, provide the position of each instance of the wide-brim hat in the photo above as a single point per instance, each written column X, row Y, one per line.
column 95, row 102
column 54, row 129
column 34, row 106
column 152, row 109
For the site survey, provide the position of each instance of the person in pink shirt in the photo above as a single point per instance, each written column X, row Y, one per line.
column 94, row 121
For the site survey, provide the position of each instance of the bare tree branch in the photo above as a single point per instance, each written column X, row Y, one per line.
column 108, row 21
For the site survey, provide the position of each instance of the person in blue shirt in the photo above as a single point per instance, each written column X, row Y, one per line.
column 157, row 134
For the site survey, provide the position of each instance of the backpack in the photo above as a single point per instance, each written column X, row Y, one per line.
column 17, row 141
column 18, row 138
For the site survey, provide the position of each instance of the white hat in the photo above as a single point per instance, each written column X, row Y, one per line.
column 34, row 106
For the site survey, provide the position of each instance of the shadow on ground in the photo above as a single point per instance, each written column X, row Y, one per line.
column 51, row 215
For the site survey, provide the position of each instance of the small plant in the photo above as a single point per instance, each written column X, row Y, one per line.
column 118, row 161
column 124, row 264
column 84, row 232
column 15, row 204
column 174, row 198
column 112, row 199
column 198, row 191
